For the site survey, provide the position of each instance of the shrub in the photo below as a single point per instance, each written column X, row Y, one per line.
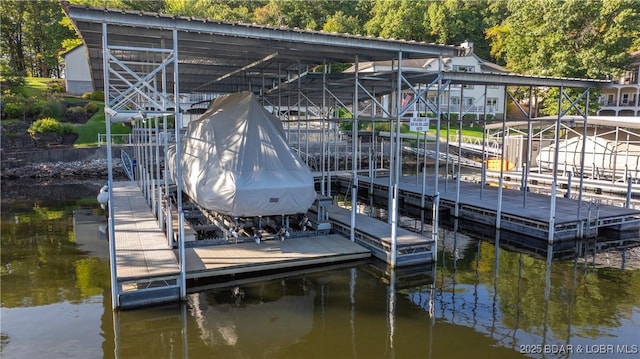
column 49, row 124
column 91, row 107
column 76, row 114
column 382, row 126
column 52, row 108
column 57, row 88
column 14, row 109
column 97, row 96
column 12, row 81
column 86, row 95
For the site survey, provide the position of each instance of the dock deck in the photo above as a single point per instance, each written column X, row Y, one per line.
column 147, row 267
column 374, row 234
column 142, row 249
column 269, row 255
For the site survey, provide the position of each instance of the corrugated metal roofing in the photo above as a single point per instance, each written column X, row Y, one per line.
column 222, row 57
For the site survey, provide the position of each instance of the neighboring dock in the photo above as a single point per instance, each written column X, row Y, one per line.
column 525, row 213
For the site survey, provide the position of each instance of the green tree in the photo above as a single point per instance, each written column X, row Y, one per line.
column 571, row 38
column 12, row 18
column 402, row 19
column 342, row 23
column 32, row 36
column 453, row 22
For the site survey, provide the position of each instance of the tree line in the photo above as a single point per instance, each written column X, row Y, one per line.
column 571, row 38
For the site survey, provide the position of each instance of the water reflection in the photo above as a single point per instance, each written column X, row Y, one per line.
column 479, row 300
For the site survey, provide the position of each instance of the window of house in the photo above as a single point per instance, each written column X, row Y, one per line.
column 469, row 101
column 493, row 87
column 492, row 103
column 468, row 87
column 464, row 68
column 610, row 100
column 625, row 98
column 455, row 100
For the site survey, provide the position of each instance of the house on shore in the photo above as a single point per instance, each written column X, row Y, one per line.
column 470, row 98
column 623, row 99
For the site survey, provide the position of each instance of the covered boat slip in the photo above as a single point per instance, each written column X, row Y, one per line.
column 147, row 267
column 146, row 63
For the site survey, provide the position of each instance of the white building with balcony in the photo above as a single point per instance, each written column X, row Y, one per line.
column 471, row 98
column 623, row 99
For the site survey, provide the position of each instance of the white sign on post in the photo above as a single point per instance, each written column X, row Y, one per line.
column 419, row 124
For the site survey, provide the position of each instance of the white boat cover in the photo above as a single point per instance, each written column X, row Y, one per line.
column 235, row 161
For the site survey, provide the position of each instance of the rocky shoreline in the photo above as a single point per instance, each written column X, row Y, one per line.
column 88, row 169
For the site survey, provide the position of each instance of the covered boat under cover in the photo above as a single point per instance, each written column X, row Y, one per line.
column 235, row 161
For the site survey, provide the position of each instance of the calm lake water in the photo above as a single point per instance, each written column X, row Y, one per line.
column 477, row 302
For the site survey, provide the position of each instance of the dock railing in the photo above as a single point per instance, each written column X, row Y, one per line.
column 116, row 139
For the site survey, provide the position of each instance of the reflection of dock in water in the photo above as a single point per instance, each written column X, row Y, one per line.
column 253, row 322
column 88, row 233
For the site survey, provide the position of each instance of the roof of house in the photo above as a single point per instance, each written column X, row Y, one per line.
column 426, row 64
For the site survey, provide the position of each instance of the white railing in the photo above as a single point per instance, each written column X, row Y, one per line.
column 116, row 139
column 470, row 142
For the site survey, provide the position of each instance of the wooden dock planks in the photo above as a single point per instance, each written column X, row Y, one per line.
column 269, row 255
column 376, row 228
column 536, row 206
column 142, row 251
column 517, row 212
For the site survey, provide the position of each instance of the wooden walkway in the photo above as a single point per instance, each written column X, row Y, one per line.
column 142, row 249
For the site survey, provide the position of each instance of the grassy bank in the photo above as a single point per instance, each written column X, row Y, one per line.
column 46, row 88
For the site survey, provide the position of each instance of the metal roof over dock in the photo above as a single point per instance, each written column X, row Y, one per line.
column 222, row 57
column 217, row 56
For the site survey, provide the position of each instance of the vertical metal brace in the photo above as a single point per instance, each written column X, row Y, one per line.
column 115, row 290
column 397, row 169
column 435, row 211
column 325, row 113
column 583, row 151
column 554, row 184
column 178, row 126
column 502, row 159
column 354, row 144
column 525, row 170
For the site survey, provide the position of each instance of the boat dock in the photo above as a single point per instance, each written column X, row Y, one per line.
column 525, row 213
column 147, row 267
column 411, row 248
